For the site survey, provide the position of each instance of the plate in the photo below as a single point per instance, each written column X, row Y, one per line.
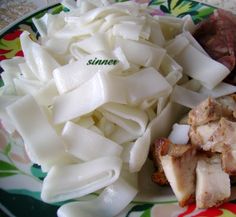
column 21, row 181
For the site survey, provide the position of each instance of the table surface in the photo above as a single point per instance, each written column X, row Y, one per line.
column 14, row 9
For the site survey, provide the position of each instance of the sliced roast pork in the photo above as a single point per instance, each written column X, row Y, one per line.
column 207, row 111
column 155, row 154
column 213, row 184
column 179, row 164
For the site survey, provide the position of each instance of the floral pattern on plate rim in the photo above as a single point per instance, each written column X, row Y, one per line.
column 20, row 181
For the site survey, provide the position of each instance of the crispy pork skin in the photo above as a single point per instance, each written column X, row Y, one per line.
column 179, row 164
column 213, row 184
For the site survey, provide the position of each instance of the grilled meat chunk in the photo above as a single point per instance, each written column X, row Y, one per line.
column 179, row 164
column 213, row 184
column 207, row 111
column 199, row 135
column 223, row 140
column 158, row 176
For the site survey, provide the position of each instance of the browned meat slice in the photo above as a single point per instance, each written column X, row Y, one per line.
column 217, row 35
column 179, row 164
column 229, row 161
column 213, row 184
column 207, row 111
column 199, row 135
column 223, row 140
column 158, row 176
column 229, row 102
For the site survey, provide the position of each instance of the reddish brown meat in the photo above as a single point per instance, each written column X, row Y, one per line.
column 217, row 35
column 155, row 152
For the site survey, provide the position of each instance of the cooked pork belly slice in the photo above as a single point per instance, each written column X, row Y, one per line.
column 179, row 164
column 229, row 161
column 224, row 137
column 158, row 176
column 207, row 111
column 213, row 184
column 223, row 140
column 199, row 135
column 229, row 102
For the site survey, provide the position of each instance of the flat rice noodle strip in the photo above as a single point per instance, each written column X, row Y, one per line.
column 9, row 87
column 177, row 45
column 201, row 67
column 100, row 3
column 221, row 89
column 146, row 104
column 87, row 145
column 121, row 136
column 73, row 75
column 139, row 152
column 94, row 14
column 11, row 71
column 25, row 86
column 129, row 118
column 43, row 145
column 57, row 45
column 45, row 95
column 194, row 42
column 77, row 180
column 37, row 58
column 146, row 31
column 113, row 19
column 71, row 30
column 95, row 43
column 41, row 24
column 96, row 130
column 104, row 88
column 156, row 35
column 170, row 26
column 123, row 62
column 193, row 85
column 84, row 6
column 150, row 55
column 132, row 8
column 106, row 126
column 85, row 122
column 55, row 23
column 26, row 71
column 109, row 203
column 12, row 65
column 71, row 5
column 100, row 89
column 162, row 124
column 168, row 65
column 5, row 120
column 130, row 31
column 161, row 104
column 187, row 97
column 151, row 113
column 147, row 84
column 188, row 25
column 173, row 77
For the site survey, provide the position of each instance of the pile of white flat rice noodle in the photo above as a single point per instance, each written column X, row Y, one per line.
column 90, row 126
